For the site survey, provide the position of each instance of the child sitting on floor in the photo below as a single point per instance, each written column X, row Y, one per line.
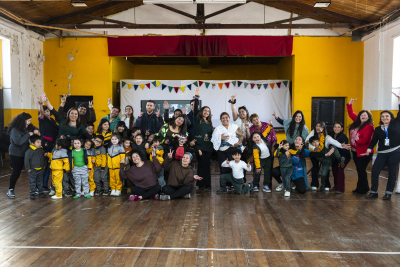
column 35, row 164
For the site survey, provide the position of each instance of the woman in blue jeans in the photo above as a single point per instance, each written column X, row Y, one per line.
column 388, row 139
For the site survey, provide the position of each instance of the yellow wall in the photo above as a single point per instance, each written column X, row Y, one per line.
column 326, row 67
column 120, row 69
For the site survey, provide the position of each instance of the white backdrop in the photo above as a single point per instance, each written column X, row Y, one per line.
column 261, row 101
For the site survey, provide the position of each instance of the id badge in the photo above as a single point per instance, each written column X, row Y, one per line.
column 387, row 142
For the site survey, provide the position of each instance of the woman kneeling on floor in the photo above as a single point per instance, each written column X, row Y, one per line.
column 143, row 175
column 181, row 178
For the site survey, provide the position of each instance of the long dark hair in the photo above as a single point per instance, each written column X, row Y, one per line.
column 208, row 119
column 78, row 121
column 322, row 124
column 184, row 125
column 392, row 118
column 18, row 122
column 292, row 124
column 125, row 133
column 293, row 146
column 358, row 124
column 99, row 127
column 131, row 119
column 247, row 112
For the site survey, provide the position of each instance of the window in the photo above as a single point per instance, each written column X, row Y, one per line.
column 396, row 64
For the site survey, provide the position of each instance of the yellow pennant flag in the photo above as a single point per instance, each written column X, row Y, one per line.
column 272, row 85
column 129, row 86
column 220, row 85
column 158, row 83
column 183, row 88
column 141, row 86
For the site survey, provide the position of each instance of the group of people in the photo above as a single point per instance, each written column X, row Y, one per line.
column 154, row 156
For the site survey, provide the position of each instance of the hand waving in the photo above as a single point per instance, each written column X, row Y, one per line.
column 233, row 97
column 184, row 110
column 140, row 113
column 197, row 91
column 352, row 101
column 166, row 104
column 275, row 115
column 90, row 104
column 396, row 95
column 170, row 153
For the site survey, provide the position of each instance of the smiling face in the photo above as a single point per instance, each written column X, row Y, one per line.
column 98, row 142
column 185, row 160
column 136, row 158
column 114, row 140
column 90, row 129
column 121, row 129
column 27, row 122
column 256, row 122
column 385, row 118
column 242, row 113
column 177, row 113
column 150, row 107
column 225, row 120
column 88, row 145
column 179, row 121
column 139, row 140
column 364, row 117
column 286, row 146
column 128, row 110
column 105, row 126
column 206, row 113
column 156, row 143
column 319, row 128
column 73, row 115
column 257, row 138
column 114, row 112
column 77, row 144
column 37, row 143
column 337, row 128
column 127, row 144
column 298, row 118
column 298, row 141
column 237, row 157
column 47, row 113
column 315, row 143
column 82, row 111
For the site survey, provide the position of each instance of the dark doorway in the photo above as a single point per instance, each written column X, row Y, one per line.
column 323, row 107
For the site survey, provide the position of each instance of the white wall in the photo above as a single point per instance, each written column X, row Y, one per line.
column 251, row 13
column 24, row 51
column 378, row 68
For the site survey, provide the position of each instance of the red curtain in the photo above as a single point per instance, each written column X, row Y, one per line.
column 197, row 46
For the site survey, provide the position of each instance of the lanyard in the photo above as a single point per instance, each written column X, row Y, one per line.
column 387, row 132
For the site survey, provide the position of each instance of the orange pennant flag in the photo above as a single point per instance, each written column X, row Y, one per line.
column 272, row 85
column 220, row 85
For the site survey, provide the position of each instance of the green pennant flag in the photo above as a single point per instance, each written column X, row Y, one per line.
column 170, row 88
column 154, row 83
column 285, row 83
column 196, row 84
column 123, row 84
column 207, row 85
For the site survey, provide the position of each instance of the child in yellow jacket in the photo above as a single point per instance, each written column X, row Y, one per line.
column 59, row 163
column 115, row 156
column 92, row 158
column 100, row 166
column 160, row 156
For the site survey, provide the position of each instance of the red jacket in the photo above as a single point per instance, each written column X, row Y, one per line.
column 365, row 134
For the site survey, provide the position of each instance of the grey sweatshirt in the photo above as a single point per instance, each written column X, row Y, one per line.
column 19, row 143
column 34, row 158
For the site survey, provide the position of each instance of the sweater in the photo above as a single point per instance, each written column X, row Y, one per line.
column 342, row 138
column 112, row 123
column 257, row 154
column 149, row 122
column 144, row 176
column 48, row 128
column 178, row 175
column 34, row 158
column 88, row 118
column 266, row 131
column 85, row 159
column 393, row 135
column 140, row 148
column 203, row 135
column 73, row 132
column 296, row 133
column 19, row 143
column 284, row 161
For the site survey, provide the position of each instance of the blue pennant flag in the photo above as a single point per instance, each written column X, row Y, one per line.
column 135, row 86
column 163, row 86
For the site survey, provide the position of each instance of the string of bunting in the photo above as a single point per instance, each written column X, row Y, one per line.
column 207, row 85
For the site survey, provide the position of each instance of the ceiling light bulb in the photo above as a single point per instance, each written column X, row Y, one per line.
column 78, row 3
column 323, row 3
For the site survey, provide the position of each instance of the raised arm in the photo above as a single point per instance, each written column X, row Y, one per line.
column 279, row 120
column 398, row 112
column 92, row 113
column 41, row 110
column 233, row 107
column 58, row 116
column 196, row 102
column 350, row 111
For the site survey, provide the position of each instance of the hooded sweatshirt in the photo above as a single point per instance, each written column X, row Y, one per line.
column 178, row 175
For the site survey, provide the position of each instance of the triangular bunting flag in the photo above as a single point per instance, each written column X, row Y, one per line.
column 213, row 86
column 154, row 83
column 207, row 85
column 265, row 85
column 220, row 85
column 163, row 86
column 285, row 83
column 252, row 85
column 200, row 83
column 148, row 85
column 279, row 85
column 245, row 85
column 227, row 85
column 196, row 84
column 234, row 83
column 176, row 89
column 272, row 85
column 135, row 86
column 259, row 86
column 183, row 88
column 129, row 86
column 123, row 84
column 158, row 83
column 189, row 86
column 239, row 83
column 141, row 86
column 170, row 88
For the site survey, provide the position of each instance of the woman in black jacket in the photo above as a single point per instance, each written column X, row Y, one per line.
column 388, row 139
column 338, row 166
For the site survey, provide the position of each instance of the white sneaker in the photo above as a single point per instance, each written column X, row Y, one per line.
column 117, row 193
column 112, row 193
column 279, row 188
column 52, row 192
column 313, row 188
column 55, row 197
column 326, row 189
column 397, row 191
column 287, row 194
column 91, row 194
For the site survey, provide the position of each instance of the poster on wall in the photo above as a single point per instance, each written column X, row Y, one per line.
column 262, row 97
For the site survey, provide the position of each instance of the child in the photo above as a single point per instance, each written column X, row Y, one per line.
column 285, row 165
column 90, row 131
column 236, row 177
column 92, row 158
column 100, row 166
column 81, row 167
column 59, row 164
column 180, row 148
column 115, row 156
column 159, row 149
column 135, row 131
column 35, row 163
column 140, row 145
column 122, row 130
column 128, row 149
column 104, row 129
column 68, row 181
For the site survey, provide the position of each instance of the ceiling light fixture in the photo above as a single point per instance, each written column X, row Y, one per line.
column 323, row 3
column 77, row 3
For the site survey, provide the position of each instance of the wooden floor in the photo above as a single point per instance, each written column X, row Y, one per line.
column 315, row 229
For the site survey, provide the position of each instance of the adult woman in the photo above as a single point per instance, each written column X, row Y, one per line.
column 19, row 144
column 226, row 132
column 122, row 130
column 174, row 128
column 128, row 117
column 70, row 125
column 299, row 174
column 293, row 127
column 388, row 139
column 269, row 134
column 104, row 129
column 325, row 141
column 338, row 167
column 360, row 132
column 203, row 130
column 143, row 174
column 241, row 117
column 181, row 178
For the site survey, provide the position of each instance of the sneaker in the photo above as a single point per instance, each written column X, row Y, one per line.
column 97, row 192
column 222, row 191
column 117, row 193
column 46, row 189
column 250, row 186
column 255, row 189
column 187, row 196
column 68, row 194
column 314, row 188
column 164, row 197
column 112, row 193
column 134, row 198
column 266, row 189
column 293, row 186
column 397, row 191
column 88, row 196
column 327, row 189
column 76, row 197
column 52, row 192
column 105, row 192
column 155, row 197
column 287, row 193
column 37, row 192
column 10, row 193
column 339, row 192
column 42, row 195
column 91, row 193
column 33, row 197
column 55, row 197
column 279, row 188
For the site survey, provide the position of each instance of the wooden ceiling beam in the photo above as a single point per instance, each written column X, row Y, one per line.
column 123, row 23
column 200, row 14
column 293, row 19
column 224, row 10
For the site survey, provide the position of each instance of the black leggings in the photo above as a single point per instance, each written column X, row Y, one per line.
column 176, row 192
column 204, row 169
column 299, row 182
column 17, row 165
column 145, row 193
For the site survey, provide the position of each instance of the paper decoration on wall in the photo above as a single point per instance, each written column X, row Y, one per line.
column 285, row 83
column 170, row 88
column 252, row 85
column 129, row 86
column 213, row 86
column 239, row 84
column 279, row 85
column 265, row 85
column 148, row 85
column 234, row 83
column 142, row 86
column 272, row 85
column 123, row 84
column 227, row 85
column 245, row 85
column 135, row 86
column 189, row 86
column 200, row 83
column 196, row 84
column 163, row 86
column 154, row 83
column 220, row 85
column 259, row 86
column 183, row 88
column 176, row 89
column 207, row 85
